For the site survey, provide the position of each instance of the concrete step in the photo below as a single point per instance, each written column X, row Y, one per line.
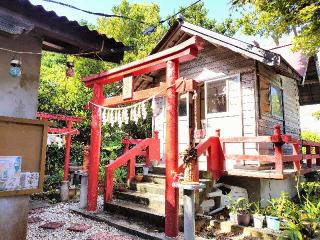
column 148, row 187
column 136, row 211
column 153, row 201
column 161, row 171
column 161, row 179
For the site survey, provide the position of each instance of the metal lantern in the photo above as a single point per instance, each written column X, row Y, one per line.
column 70, row 70
column 15, row 68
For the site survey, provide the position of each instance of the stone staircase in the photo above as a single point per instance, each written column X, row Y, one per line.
column 145, row 201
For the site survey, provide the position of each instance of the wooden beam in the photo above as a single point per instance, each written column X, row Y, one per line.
column 185, row 51
column 137, row 96
column 183, row 85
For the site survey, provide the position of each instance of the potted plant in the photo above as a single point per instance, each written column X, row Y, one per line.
column 243, row 211
column 271, row 212
column 139, row 175
column 232, row 211
column 258, row 217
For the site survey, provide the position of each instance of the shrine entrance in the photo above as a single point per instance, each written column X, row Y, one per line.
column 168, row 59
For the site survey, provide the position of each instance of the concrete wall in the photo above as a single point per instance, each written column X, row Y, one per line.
column 18, row 98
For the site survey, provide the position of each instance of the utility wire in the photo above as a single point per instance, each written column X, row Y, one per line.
column 119, row 16
column 93, row 13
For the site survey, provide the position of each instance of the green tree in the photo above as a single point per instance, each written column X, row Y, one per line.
column 131, row 32
column 198, row 15
column 276, row 18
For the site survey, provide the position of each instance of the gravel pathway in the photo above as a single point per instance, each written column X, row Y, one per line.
column 61, row 213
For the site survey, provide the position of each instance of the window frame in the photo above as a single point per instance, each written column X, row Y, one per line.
column 234, row 77
column 281, row 101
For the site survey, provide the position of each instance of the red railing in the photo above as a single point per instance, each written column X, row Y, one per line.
column 278, row 157
column 215, row 157
column 149, row 148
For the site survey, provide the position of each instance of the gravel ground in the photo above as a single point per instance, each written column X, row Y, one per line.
column 61, row 213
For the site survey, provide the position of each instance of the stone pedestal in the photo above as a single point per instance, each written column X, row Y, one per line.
column 64, row 191
column 189, row 207
column 83, row 189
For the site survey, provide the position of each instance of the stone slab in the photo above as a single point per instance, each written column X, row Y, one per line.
column 52, row 225
column 108, row 236
column 34, row 219
column 79, row 227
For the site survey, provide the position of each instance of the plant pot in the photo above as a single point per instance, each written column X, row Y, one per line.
column 233, row 217
column 243, row 219
column 72, row 192
column 145, row 170
column 273, row 223
column 258, row 220
column 138, row 178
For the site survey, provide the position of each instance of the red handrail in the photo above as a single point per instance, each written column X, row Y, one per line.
column 278, row 157
column 149, row 147
column 215, row 156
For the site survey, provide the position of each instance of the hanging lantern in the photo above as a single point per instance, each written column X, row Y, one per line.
column 15, row 68
column 70, row 70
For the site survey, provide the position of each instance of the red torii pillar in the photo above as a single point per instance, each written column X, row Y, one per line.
column 169, row 59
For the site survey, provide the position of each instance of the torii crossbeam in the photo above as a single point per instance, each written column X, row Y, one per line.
column 169, row 59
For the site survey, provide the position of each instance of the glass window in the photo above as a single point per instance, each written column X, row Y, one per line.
column 276, row 101
column 183, row 105
column 217, row 96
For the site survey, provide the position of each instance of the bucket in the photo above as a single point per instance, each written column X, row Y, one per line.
column 258, row 221
column 273, row 223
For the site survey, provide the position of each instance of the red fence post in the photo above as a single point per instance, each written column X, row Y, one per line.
column 131, row 162
column 108, row 185
column 308, row 152
column 67, row 153
column 296, row 151
column 278, row 149
column 95, row 143
column 317, row 149
column 171, row 151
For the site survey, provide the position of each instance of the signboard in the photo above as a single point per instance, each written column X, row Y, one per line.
column 22, row 155
column 127, row 88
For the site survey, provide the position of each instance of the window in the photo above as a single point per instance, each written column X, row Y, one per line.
column 276, row 101
column 270, row 99
column 217, row 96
column 183, row 105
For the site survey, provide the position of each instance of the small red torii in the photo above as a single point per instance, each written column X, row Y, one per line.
column 169, row 60
column 69, row 131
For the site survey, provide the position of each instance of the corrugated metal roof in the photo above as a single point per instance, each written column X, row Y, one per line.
column 60, row 29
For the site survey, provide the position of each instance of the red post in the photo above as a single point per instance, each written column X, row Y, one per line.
column 67, row 153
column 95, row 142
column 317, row 149
column 278, row 149
column 171, row 155
column 131, row 162
column 308, row 151
column 296, row 151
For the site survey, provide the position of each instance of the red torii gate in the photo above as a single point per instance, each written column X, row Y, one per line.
column 69, row 131
column 170, row 60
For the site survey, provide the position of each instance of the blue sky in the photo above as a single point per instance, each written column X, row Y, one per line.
column 218, row 9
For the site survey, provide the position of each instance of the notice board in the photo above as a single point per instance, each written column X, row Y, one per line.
column 23, row 139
